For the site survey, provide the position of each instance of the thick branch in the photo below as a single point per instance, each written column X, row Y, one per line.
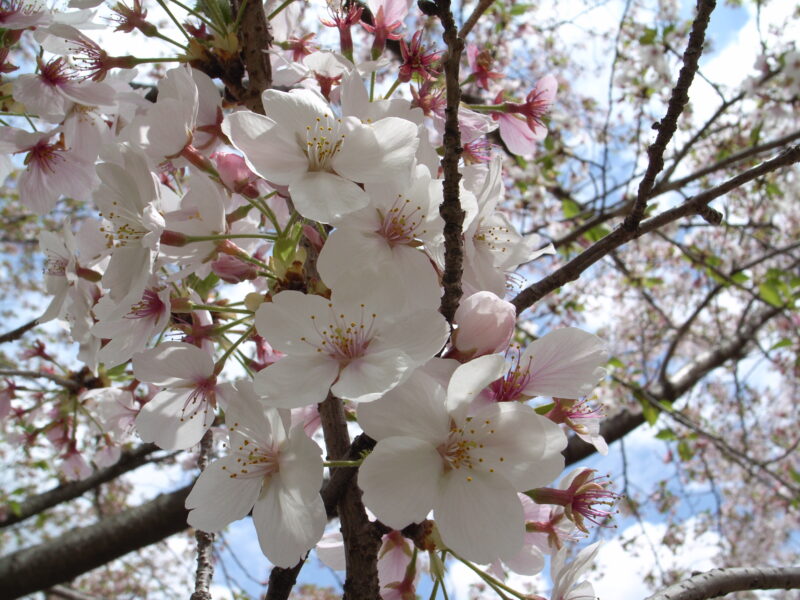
column 719, row 582
column 128, row 461
column 674, row 386
column 62, row 381
column 450, row 209
column 254, row 38
column 361, row 539
column 669, row 124
column 573, row 269
column 205, row 540
column 80, row 550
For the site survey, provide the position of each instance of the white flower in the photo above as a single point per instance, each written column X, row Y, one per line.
column 565, row 577
column 302, row 144
column 359, row 351
column 566, row 363
column 276, row 474
column 177, row 416
column 129, row 199
column 467, row 469
column 387, row 238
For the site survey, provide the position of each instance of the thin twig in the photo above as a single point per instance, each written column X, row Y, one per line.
column 482, row 7
column 669, row 124
column 573, row 269
column 18, row 332
column 205, row 540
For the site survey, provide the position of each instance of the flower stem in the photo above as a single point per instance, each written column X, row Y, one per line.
column 221, row 362
column 278, row 10
column 174, row 20
column 496, row 584
column 219, row 308
column 342, row 463
column 391, row 89
column 229, row 236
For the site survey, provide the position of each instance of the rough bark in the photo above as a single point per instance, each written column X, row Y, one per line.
column 719, row 582
column 80, row 550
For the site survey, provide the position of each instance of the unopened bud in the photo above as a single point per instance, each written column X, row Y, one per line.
column 485, row 325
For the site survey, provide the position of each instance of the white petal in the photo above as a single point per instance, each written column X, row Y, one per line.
column 414, row 408
column 400, row 480
column 218, row 499
column 288, row 525
column 293, row 382
column 566, row 363
column 301, row 464
column 290, row 317
column 266, row 153
column 479, row 516
column 369, row 377
column 162, row 422
column 326, row 197
column 420, row 334
column 522, row 445
column 471, row 378
column 379, row 152
column 173, row 363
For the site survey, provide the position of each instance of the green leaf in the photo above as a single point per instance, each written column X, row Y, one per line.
column 782, row 344
column 615, row 362
column 570, row 208
column 204, row 286
column 15, row 508
column 596, row 234
column 770, row 294
column 739, row 278
column 519, row 9
column 685, row 451
column 794, row 475
column 648, row 37
column 543, row 410
column 666, row 435
column 649, row 412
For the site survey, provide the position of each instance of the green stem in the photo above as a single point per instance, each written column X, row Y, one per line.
column 278, row 10
column 161, row 36
column 391, row 89
column 174, row 20
column 229, row 236
column 200, row 16
column 221, row 362
column 342, row 463
column 494, row 583
column 156, row 59
column 218, row 308
column 486, row 107
column 372, row 86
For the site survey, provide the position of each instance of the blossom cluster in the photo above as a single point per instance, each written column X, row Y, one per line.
column 243, row 268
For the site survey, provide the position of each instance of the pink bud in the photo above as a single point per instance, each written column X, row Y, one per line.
column 232, row 269
column 485, row 325
column 235, row 174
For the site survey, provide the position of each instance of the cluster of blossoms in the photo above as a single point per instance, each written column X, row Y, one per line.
column 325, row 210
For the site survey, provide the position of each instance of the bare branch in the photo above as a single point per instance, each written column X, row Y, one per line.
column 669, row 124
column 573, row 269
column 128, row 461
column 79, row 550
column 19, row 331
column 255, row 37
column 62, row 381
column 450, row 209
column 719, row 582
column 205, row 540
column 482, row 7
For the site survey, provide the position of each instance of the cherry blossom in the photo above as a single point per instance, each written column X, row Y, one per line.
column 432, row 456
column 356, row 350
column 302, row 144
column 273, row 472
column 178, row 415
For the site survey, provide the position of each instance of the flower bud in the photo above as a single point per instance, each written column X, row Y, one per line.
column 485, row 325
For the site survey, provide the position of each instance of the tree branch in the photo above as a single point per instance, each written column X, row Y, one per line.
column 254, row 36
column 573, row 269
column 17, row 333
column 669, row 124
column 719, row 582
column 450, row 209
column 674, row 386
column 128, row 461
column 361, row 539
column 79, row 550
column 62, row 381
column 204, row 539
